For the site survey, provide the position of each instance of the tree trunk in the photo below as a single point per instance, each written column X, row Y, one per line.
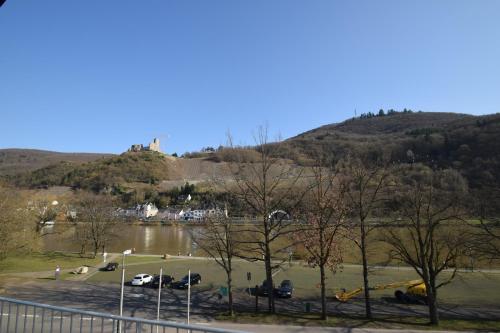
column 368, row 308
column 230, row 293
column 269, row 278
column 432, row 299
column 96, row 249
column 433, row 309
column 82, row 250
column 323, row 293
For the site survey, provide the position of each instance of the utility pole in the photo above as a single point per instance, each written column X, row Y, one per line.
column 189, row 294
column 159, row 299
column 126, row 252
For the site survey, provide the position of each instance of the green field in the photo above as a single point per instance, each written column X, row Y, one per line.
column 39, row 262
column 467, row 288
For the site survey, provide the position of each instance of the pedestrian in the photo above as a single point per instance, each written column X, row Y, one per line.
column 219, row 297
column 58, row 272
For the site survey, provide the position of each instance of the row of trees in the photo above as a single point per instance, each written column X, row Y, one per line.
column 339, row 204
column 381, row 113
column 23, row 216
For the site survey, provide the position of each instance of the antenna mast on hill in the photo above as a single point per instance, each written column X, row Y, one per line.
column 355, row 113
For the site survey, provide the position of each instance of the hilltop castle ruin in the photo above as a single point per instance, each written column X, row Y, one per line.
column 153, row 146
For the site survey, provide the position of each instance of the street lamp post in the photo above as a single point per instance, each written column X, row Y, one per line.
column 159, row 299
column 189, row 296
column 126, row 252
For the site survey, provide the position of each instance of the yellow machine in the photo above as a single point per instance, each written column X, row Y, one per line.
column 415, row 291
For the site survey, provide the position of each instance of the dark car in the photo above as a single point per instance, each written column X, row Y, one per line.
column 166, row 280
column 285, row 289
column 111, row 266
column 184, row 282
column 263, row 288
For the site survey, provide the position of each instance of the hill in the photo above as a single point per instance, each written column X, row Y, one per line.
column 126, row 171
column 97, row 175
column 470, row 144
column 398, row 122
column 16, row 161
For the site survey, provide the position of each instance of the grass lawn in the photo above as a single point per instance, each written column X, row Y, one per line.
column 392, row 322
column 132, row 259
column 38, row 262
column 477, row 289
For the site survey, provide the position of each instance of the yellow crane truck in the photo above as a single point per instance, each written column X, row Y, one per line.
column 415, row 291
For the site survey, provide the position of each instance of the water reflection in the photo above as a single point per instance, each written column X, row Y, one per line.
column 145, row 239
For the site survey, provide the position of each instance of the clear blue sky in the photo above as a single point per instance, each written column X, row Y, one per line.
column 97, row 76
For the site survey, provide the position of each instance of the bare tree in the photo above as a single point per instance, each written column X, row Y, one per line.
column 82, row 236
column 44, row 209
column 426, row 206
column 325, row 215
column 97, row 222
column 15, row 222
column 218, row 240
column 268, row 187
column 485, row 240
column 366, row 192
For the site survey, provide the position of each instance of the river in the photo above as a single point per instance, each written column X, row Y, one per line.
column 154, row 239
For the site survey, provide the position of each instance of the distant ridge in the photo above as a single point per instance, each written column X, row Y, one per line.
column 466, row 143
column 396, row 123
column 14, row 160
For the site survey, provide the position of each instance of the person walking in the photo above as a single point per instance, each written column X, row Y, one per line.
column 58, row 272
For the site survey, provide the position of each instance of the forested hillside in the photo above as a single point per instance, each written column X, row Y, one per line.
column 468, row 144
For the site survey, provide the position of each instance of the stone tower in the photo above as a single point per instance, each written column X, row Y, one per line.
column 155, row 145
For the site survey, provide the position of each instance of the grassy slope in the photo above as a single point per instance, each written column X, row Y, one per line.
column 145, row 167
column 15, row 161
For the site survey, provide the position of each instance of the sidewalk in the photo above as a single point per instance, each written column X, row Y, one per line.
column 313, row 329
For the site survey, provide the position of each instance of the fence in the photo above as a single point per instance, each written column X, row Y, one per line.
column 28, row 317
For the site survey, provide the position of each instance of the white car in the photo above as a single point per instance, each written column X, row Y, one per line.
column 142, row 279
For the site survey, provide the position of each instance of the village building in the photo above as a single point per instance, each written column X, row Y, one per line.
column 201, row 214
column 146, row 211
column 170, row 214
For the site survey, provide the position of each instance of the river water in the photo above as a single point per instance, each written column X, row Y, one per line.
column 154, row 239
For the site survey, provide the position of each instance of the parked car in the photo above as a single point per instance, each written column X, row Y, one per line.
column 111, row 266
column 166, row 280
column 285, row 289
column 263, row 288
column 184, row 282
column 142, row 279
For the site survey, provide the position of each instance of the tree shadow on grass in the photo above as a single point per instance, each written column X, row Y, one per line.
column 314, row 319
column 57, row 255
